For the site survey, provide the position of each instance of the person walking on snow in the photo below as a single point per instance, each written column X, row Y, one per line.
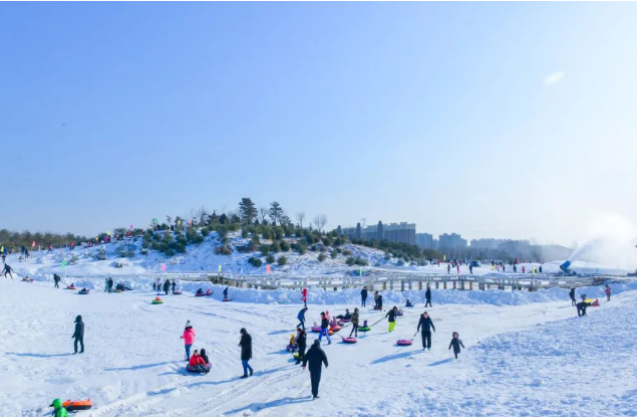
column 301, row 317
column 316, row 358
column 363, row 296
column 7, row 270
column 607, row 291
column 426, row 324
column 56, row 280
column 225, row 293
column 355, row 318
column 428, row 297
column 571, row 294
column 246, row 352
column 189, row 338
column 391, row 315
column 78, row 334
column 301, row 342
column 166, row 286
column 456, row 343
column 325, row 325
column 173, row 286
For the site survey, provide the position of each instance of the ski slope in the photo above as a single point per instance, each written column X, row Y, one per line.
column 535, row 358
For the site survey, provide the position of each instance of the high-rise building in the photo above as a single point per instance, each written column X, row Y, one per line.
column 451, row 241
column 425, row 240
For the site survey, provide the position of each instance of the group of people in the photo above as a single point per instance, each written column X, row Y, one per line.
column 166, row 286
column 584, row 304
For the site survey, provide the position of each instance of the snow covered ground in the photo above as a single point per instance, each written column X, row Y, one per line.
column 202, row 258
column 532, row 357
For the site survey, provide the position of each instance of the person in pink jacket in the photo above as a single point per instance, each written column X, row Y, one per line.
column 189, row 338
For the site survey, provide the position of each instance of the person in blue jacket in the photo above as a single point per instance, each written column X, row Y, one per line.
column 301, row 317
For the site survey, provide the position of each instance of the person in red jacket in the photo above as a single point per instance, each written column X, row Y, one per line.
column 304, row 296
column 198, row 363
column 196, row 359
column 189, row 338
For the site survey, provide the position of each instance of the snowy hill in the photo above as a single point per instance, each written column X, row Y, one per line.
column 128, row 257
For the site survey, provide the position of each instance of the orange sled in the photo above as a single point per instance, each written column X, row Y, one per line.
column 77, row 405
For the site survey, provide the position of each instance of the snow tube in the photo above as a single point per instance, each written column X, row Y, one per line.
column 157, row 301
column 409, row 306
column 200, row 295
column 335, row 328
column 364, row 329
column 346, row 320
column 330, row 332
column 27, row 279
column 291, row 348
column 199, row 369
column 77, row 405
column 316, row 329
column 178, row 292
column 350, row 340
column 296, row 355
column 592, row 302
column 117, row 291
column 225, row 300
column 71, row 287
column 84, row 291
column 404, row 342
column 399, row 313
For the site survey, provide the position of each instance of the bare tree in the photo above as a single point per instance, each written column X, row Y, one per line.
column 263, row 214
column 320, row 221
column 300, row 216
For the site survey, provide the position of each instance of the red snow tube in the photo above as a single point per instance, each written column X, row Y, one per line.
column 77, row 405
column 316, row 329
column 227, row 299
column 404, row 342
column 350, row 340
column 71, row 287
column 335, row 328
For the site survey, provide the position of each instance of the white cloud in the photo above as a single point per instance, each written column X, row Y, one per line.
column 554, row 78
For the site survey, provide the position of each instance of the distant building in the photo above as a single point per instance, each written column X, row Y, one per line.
column 425, row 241
column 451, row 241
column 394, row 232
column 496, row 243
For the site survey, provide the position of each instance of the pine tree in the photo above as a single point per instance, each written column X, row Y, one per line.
column 276, row 212
column 247, row 211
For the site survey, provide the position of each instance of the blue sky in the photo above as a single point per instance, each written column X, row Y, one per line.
column 491, row 120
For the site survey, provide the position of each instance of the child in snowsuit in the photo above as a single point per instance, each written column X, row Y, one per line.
column 607, row 292
column 301, row 342
column 325, row 325
column 456, row 343
column 391, row 315
column 189, row 338
column 58, row 410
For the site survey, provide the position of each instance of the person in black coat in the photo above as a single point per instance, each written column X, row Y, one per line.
column 363, row 296
column 456, row 343
column 581, row 308
column 428, row 297
column 166, row 286
column 316, row 357
column 78, row 335
column 225, row 293
column 571, row 294
column 7, row 270
column 56, row 280
column 246, row 352
column 301, row 342
column 426, row 324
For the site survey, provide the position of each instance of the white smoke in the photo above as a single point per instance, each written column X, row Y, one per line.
column 611, row 241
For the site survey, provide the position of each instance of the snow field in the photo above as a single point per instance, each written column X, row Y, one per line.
column 523, row 360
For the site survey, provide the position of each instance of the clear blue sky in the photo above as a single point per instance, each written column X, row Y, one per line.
column 487, row 119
